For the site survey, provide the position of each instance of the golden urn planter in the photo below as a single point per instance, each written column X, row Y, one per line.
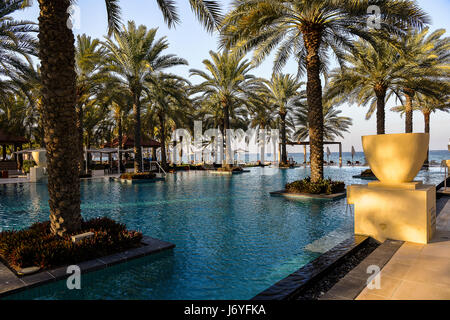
column 396, row 158
column 395, row 207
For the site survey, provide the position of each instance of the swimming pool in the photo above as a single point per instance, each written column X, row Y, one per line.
column 232, row 238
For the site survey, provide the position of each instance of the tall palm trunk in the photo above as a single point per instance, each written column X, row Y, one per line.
column 408, row 110
column 181, row 150
column 380, row 92
column 88, row 146
column 263, row 143
column 426, row 118
column 163, row 141
column 312, row 38
column 226, row 126
column 283, row 138
column 79, row 112
column 40, row 124
column 137, row 131
column 120, row 138
column 57, row 55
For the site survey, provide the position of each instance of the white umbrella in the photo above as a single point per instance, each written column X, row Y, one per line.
column 328, row 154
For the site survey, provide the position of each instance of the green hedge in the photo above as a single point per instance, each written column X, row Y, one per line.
column 37, row 246
column 323, row 186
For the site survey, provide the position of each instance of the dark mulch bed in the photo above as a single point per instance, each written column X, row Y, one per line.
column 318, row 288
column 37, row 246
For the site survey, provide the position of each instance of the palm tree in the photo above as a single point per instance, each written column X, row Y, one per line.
column 307, row 29
column 372, row 76
column 284, row 95
column 16, row 41
column 227, row 81
column 17, row 45
column 25, row 82
column 168, row 99
column 133, row 57
column 427, row 105
column 120, row 102
column 425, row 58
column 334, row 125
column 14, row 114
column 263, row 115
column 89, row 55
column 59, row 99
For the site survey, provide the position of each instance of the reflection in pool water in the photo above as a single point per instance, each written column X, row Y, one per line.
column 232, row 239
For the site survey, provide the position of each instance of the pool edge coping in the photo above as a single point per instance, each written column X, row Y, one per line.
column 15, row 284
column 288, row 287
column 283, row 193
column 353, row 283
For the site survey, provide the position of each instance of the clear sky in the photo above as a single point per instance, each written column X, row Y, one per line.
column 190, row 41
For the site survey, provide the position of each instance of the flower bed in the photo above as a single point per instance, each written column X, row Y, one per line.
column 36, row 246
column 137, row 176
column 323, row 186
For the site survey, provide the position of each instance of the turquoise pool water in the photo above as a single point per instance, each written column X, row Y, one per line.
column 232, row 239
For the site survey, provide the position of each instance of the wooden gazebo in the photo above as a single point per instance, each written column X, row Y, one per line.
column 7, row 139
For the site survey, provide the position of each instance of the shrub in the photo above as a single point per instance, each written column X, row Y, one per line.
column 137, row 176
column 27, row 164
column 37, row 246
column 325, row 186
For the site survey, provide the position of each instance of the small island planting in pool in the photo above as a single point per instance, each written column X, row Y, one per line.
column 138, row 176
column 36, row 246
column 230, row 169
column 323, row 186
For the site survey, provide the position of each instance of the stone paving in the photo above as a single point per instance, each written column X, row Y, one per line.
column 409, row 272
column 418, row 271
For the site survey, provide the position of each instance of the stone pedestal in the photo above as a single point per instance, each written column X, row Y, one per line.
column 37, row 174
column 394, row 212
